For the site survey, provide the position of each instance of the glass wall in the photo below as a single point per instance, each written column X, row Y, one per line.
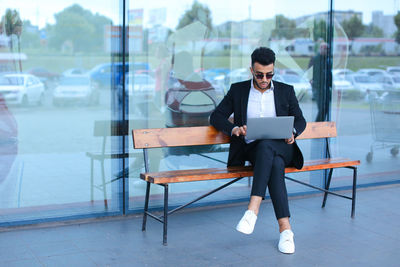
column 58, row 94
column 366, row 89
column 191, row 52
column 77, row 76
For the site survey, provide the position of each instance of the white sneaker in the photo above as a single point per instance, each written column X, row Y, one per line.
column 246, row 224
column 286, row 243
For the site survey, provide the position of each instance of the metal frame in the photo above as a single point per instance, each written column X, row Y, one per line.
column 164, row 218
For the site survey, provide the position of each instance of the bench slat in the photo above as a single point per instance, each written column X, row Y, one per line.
column 208, row 135
column 318, row 130
column 182, row 136
column 237, row 171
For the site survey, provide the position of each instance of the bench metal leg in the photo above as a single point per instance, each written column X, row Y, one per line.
column 165, row 214
column 353, row 199
column 91, row 180
column 103, row 177
column 327, row 187
column 146, row 206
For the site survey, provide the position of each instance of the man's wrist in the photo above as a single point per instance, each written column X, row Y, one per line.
column 234, row 129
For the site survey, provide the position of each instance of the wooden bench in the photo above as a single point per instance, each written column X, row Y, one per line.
column 208, row 135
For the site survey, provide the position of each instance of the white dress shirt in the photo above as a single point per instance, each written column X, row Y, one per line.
column 260, row 104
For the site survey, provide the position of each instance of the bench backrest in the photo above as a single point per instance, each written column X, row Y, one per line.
column 208, row 135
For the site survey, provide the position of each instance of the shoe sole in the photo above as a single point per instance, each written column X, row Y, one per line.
column 243, row 232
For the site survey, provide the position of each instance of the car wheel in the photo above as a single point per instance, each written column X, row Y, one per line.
column 24, row 101
column 41, row 100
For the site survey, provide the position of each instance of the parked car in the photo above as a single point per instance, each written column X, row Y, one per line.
column 102, row 74
column 141, row 87
column 237, row 75
column 388, row 82
column 372, row 72
column 393, row 70
column 74, row 71
column 345, row 88
column 76, row 89
column 302, row 86
column 364, row 83
column 21, row 89
column 297, row 72
column 48, row 78
column 342, row 72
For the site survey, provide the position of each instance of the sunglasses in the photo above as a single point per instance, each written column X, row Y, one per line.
column 261, row 75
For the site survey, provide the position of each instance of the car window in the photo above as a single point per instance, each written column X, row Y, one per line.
column 29, row 81
column 11, row 80
column 106, row 69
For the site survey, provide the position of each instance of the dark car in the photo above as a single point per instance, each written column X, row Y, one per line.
column 46, row 77
column 110, row 74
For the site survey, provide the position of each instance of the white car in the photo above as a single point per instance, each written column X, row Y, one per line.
column 22, row 89
column 342, row 72
column 140, row 86
column 372, row 72
column 344, row 87
column 237, row 75
column 393, row 70
column 388, row 82
column 364, row 83
column 75, row 89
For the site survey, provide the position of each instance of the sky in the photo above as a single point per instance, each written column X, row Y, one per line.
column 40, row 12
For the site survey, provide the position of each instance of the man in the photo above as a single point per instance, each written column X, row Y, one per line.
column 262, row 97
column 319, row 90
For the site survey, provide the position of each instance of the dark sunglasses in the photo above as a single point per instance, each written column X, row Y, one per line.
column 261, row 75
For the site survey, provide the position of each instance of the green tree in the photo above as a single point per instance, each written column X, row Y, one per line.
column 198, row 12
column 12, row 24
column 397, row 22
column 30, row 37
column 319, row 30
column 287, row 29
column 79, row 28
column 353, row 27
column 372, row 31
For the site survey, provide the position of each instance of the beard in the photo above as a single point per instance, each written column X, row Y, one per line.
column 262, row 85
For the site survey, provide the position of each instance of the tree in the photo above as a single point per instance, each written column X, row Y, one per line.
column 79, row 28
column 30, row 37
column 353, row 27
column 286, row 28
column 372, row 31
column 319, row 30
column 12, row 24
column 198, row 12
column 397, row 22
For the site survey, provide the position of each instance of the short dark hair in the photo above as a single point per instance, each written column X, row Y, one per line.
column 263, row 55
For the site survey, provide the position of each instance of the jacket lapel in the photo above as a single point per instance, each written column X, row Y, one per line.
column 245, row 101
column 277, row 98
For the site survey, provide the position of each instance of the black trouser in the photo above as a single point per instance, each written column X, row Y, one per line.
column 269, row 158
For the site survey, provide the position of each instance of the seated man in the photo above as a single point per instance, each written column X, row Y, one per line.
column 262, row 97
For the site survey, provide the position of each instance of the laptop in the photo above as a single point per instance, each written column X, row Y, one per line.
column 270, row 127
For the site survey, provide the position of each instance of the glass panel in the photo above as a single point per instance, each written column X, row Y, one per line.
column 195, row 50
column 366, row 100
column 55, row 123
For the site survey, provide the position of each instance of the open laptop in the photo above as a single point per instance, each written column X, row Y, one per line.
column 270, row 127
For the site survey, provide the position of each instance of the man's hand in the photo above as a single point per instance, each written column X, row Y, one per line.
column 239, row 130
column 290, row 140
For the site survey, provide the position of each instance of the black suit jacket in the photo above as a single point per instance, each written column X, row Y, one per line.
column 236, row 100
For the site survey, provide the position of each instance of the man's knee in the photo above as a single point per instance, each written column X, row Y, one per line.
column 278, row 163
